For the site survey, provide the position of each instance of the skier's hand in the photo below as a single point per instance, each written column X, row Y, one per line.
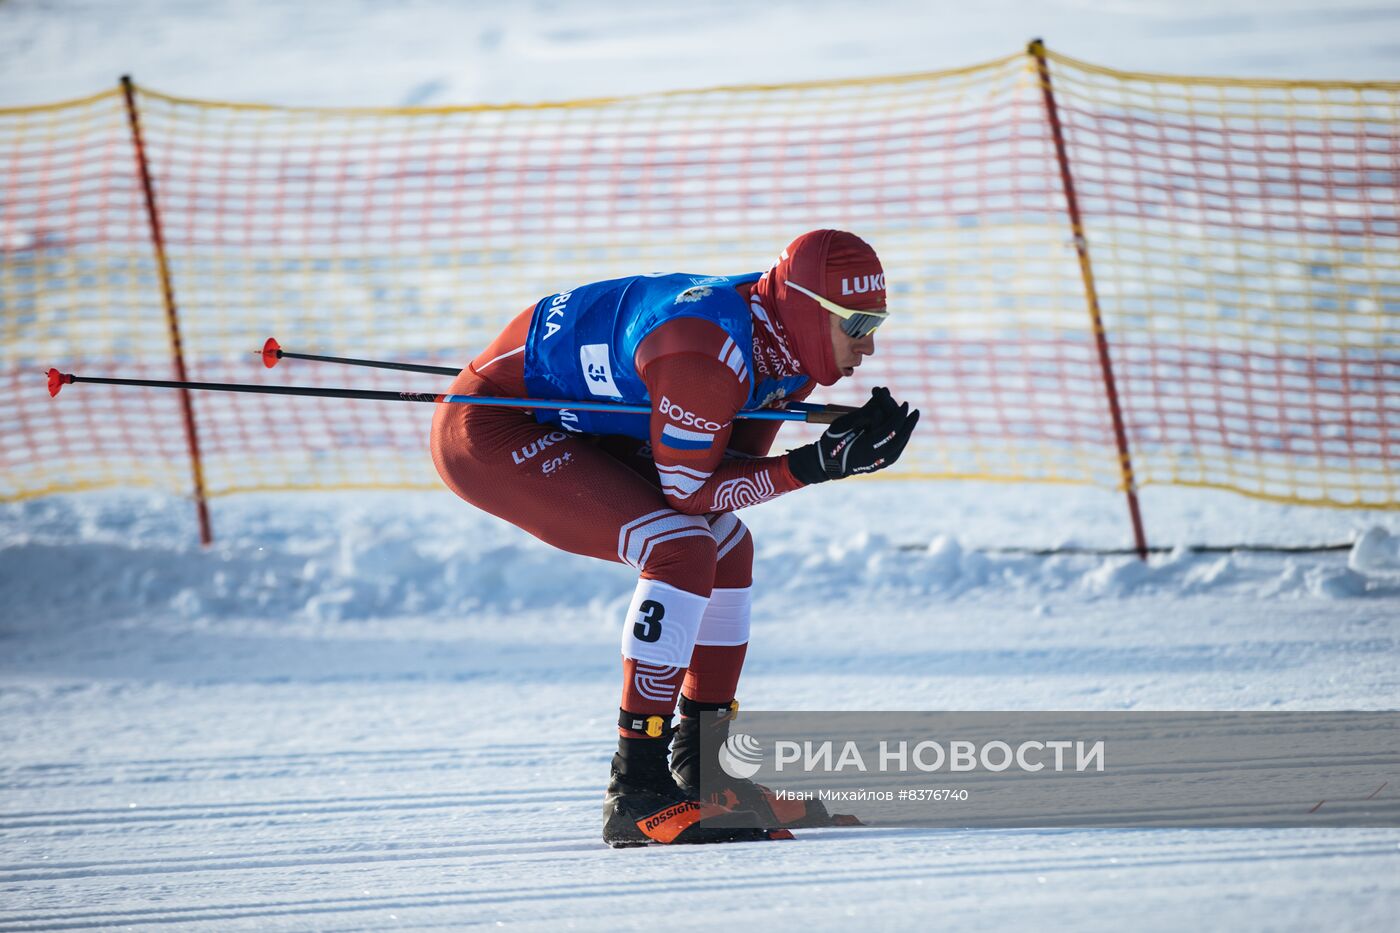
column 868, row 439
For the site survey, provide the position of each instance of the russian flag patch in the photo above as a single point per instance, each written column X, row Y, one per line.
column 681, row 439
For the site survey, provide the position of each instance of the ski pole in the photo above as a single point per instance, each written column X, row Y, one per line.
column 57, row 380
column 272, row 352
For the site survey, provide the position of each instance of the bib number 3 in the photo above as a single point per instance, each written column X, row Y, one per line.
column 649, row 629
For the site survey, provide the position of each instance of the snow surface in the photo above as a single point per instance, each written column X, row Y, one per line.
column 389, row 710
column 433, row 52
column 377, row 711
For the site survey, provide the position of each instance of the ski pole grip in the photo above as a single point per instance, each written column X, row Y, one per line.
column 829, row 414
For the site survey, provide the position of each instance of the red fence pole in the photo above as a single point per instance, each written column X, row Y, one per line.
column 1036, row 50
column 206, row 534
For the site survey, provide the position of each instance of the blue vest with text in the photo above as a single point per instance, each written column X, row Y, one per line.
column 582, row 344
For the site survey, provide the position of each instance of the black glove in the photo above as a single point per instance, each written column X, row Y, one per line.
column 863, row 441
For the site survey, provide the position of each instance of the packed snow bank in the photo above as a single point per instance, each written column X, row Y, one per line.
column 327, row 557
column 321, row 558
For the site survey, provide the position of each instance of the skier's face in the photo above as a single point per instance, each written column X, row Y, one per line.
column 848, row 351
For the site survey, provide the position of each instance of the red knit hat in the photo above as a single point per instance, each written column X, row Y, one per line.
column 839, row 266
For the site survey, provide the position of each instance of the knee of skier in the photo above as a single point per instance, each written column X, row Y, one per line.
column 685, row 562
column 733, row 552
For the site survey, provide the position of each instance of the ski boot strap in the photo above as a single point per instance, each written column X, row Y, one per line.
column 690, row 709
column 645, row 725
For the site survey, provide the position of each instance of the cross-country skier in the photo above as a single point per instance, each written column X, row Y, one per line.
column 659, row 492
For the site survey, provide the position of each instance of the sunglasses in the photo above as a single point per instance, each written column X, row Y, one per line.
column 854, row 324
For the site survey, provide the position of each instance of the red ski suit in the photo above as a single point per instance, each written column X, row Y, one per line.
column 665, row 511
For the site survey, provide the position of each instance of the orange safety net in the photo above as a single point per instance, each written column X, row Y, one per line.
column 1242, row 237
column 1245, row 240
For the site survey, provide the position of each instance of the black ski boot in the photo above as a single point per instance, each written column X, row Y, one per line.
column 644, row 806
column 735, row 793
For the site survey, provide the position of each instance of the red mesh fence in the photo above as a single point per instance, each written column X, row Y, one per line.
column 1242, row 238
